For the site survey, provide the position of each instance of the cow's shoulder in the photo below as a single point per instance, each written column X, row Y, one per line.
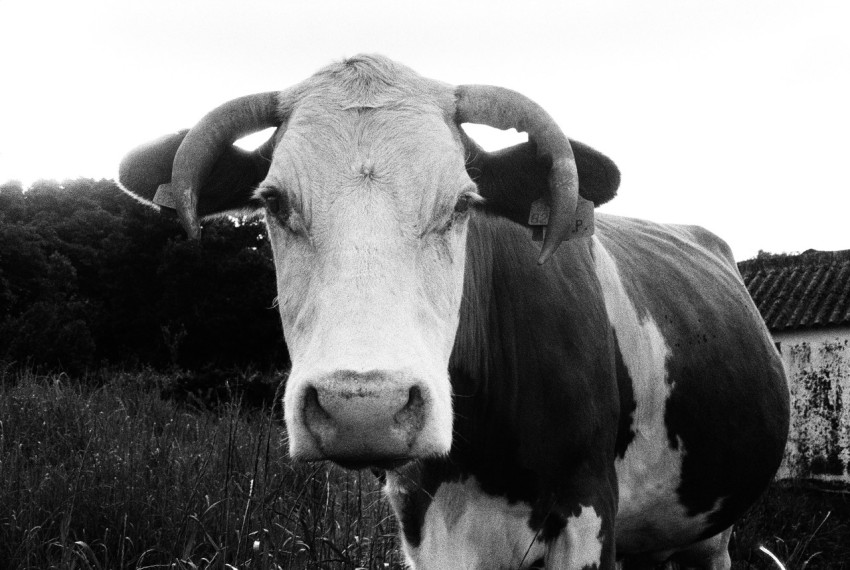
column 708, row 240
column 645, row 249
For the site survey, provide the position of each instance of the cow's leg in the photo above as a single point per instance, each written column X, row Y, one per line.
column 453, row 524
column 450, row 523
column 580, row 545
column 586, row 541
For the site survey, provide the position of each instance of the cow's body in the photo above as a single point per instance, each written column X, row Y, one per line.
column 698, row 380
column 622, row 400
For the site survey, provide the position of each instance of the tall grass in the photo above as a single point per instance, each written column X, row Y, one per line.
column 103, row 473
column 803, row 524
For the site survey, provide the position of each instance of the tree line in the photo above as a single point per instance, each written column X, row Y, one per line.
column 89, row 277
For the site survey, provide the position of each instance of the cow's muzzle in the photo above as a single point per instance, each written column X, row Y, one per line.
column 363, row 419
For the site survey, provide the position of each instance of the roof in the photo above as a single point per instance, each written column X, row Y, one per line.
column 808, row 290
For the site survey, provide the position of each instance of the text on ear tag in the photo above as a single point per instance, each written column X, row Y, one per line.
column 538, row 219
column 539, row 214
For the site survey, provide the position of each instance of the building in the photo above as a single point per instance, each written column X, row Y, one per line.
column 805, row 301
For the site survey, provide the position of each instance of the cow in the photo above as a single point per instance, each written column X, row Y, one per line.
column 542, row 385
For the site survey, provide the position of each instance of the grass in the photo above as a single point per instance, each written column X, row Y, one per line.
column 804, row 524
column 105, row 473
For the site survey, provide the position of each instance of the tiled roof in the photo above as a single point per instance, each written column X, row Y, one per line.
column 800, row 291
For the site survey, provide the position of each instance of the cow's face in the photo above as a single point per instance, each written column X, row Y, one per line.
column 366, row 197
column 367, row 213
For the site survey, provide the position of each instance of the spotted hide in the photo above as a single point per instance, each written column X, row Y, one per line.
column 601, row 399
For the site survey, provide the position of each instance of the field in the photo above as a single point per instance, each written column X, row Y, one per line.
column 117, row 471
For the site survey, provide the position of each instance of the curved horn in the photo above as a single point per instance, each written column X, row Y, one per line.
column 205, row 143
column 504, row 109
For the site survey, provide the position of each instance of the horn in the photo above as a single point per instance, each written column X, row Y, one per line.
column 207, row 140
column 504, row 109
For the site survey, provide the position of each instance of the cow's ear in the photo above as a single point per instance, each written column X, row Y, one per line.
column 598, row 176
column 512, row 178
column 145, row 173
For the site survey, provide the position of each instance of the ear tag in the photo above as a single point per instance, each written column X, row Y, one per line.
column 165, row 197
column 538, row 219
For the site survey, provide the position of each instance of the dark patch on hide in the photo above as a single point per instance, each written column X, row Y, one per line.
column 726, row 456
column 540, row 428
column 547, row 523
column 729, row 404
column 421, row 481
column 628, row 405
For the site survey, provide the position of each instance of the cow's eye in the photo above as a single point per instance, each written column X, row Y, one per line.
column 274, row 201
column 462, row 205
column 279, row 210
column 468, row 200
column 273, row 205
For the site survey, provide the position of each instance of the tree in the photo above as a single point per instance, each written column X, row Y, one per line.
column 87, row 274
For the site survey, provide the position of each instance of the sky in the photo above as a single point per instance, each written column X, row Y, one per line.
column 733, row 115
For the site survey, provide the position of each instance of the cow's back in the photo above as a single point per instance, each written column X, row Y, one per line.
column 699, row 379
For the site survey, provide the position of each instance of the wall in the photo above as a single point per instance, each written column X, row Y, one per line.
column 818, row 364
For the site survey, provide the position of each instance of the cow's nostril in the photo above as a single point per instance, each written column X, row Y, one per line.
column 358, row 419
column 313, row 409
column 412, row 415
column 414, row 398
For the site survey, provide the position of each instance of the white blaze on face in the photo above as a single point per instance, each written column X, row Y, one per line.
column 651, row 471
column 370, row 262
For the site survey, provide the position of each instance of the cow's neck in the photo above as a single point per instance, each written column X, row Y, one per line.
column 508, row 359
column 530, row 348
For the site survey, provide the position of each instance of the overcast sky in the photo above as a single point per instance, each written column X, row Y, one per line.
column 729, row 114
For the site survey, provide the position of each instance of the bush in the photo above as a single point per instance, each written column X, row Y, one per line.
column 88, row 275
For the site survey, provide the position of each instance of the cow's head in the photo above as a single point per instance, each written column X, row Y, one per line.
column 367, row 187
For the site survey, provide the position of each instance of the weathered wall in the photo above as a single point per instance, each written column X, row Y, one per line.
column 818, row 364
